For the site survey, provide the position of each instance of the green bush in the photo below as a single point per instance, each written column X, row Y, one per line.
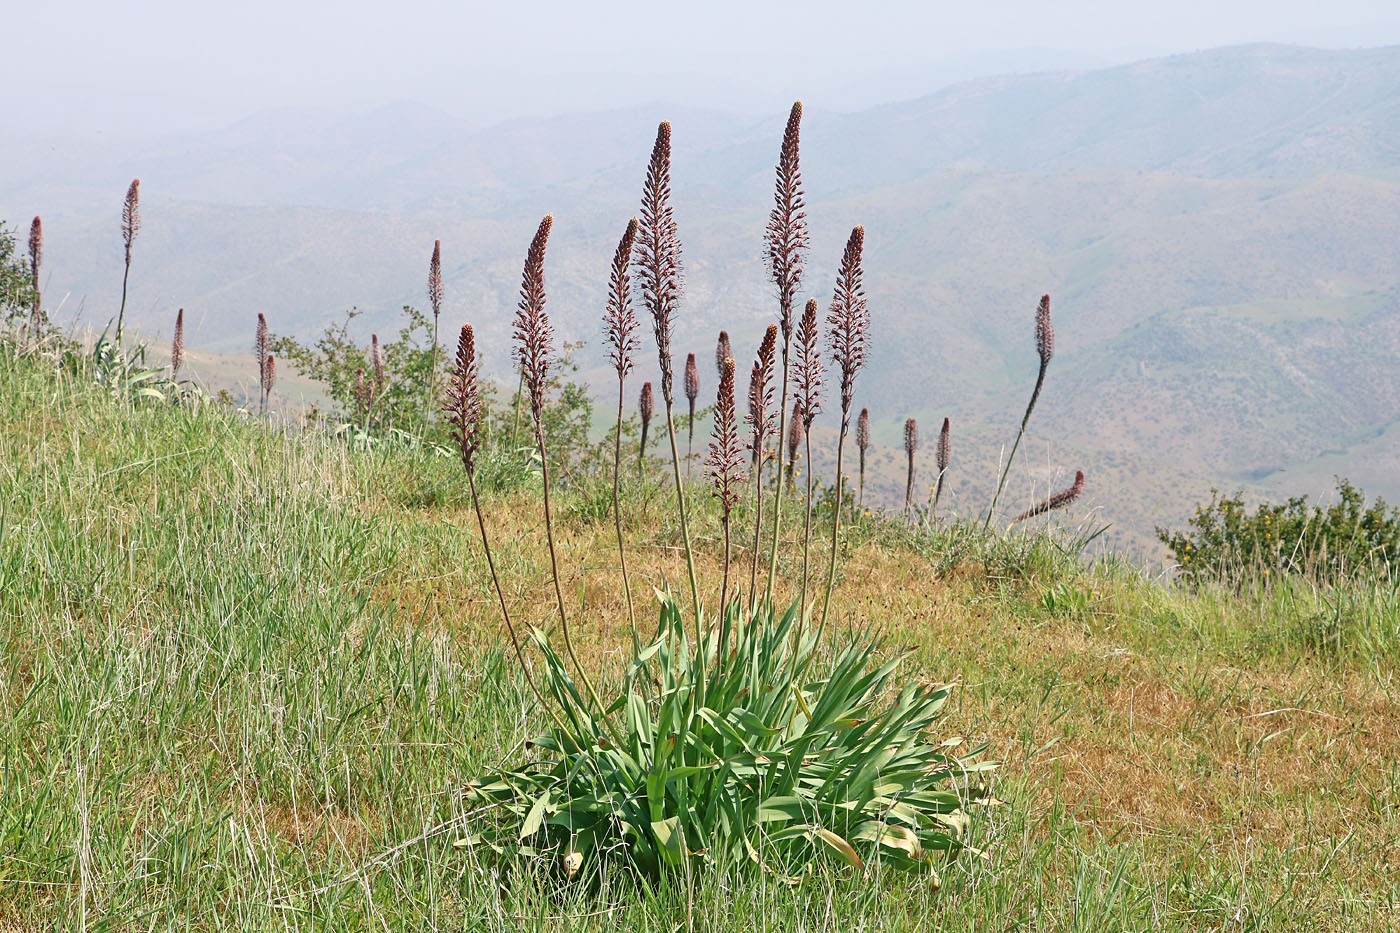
column 16, row 295
column 1227, row 540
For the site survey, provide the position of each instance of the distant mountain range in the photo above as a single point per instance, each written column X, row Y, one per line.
column 1220, row 233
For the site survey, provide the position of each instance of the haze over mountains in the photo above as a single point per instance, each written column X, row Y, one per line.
column 1220, row 233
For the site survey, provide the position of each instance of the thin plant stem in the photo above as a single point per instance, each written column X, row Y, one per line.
column 617, row 519
column 835, row 527
column 519, row 396
column 807, row 525
column 501, row 597
column 685, row 528
column 757, row 527
column 778, row 486
column 558, row 590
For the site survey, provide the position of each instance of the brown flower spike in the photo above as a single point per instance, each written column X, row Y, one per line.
column 533, row 334
column 1058, row 501
column 463, row 404
column 911, row 444
column 659, row 253
column 786, row 237
column 619, row 321
column 645, row 406
column 945, row 456
column 692, row 391
column 809, row 365
column 723, row 351
column 725, row 462
column 760, row 419
column 849, row 320
column 177, row 345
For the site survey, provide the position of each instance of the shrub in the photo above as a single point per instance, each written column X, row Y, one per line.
column 1225, row 540
column 16, row 295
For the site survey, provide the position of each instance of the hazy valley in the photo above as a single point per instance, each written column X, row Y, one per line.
column 1220, row 233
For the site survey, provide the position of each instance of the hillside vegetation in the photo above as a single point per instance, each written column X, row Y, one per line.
column 1229, row 210
column 247, row 675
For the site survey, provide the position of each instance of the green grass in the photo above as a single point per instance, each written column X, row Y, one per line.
column 247, row 674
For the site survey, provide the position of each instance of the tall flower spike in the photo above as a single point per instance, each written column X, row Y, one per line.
column 692, row 391
column 761, row 425
column 794, row 438
column 36, row 259
column 36, row 251
column 760, row 418
column 911, row 444
column 435, row 279
column 862, row 445
column 725, row 464
column 376, row 365
column 809, row 365
column 1044, row 348
column 723, row 351
column 177, row 345
column 619, row 321
column 463, row 403
column 945, row 456
column 131, row 215
column 659, row 253
column 786, row 237
column 1058, row 501
column 692, row 382
column 533, row 335
column 360, row 391
column 725, row 461
column 260, row 339
column 849, row 319
column 270, row 371
column 645, row 406
column 131, row 223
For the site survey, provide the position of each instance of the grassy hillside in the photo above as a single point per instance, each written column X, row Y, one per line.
column 247, row 674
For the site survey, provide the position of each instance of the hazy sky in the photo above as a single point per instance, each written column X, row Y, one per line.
column 152, row 64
